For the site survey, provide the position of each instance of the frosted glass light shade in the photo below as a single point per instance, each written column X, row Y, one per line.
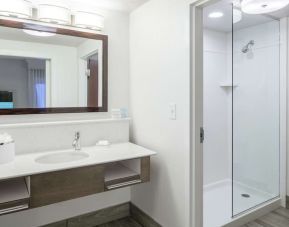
column 237, row 16
column 88, row 20
column 54, row 14
column 16, row 8
column 262, row 6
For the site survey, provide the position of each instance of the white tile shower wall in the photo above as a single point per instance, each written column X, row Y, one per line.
column 256, row 108
column 216, row 100
column 248, row 152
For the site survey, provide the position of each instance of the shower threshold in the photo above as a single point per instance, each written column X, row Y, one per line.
column 218, row 204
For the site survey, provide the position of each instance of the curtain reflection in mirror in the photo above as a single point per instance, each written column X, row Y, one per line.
column 37, row 85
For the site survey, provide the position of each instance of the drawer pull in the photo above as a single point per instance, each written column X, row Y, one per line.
column 115, row 186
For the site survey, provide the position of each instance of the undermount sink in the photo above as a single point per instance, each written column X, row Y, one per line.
column 62, row 157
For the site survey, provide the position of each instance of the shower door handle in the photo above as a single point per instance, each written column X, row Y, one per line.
column 202, row 135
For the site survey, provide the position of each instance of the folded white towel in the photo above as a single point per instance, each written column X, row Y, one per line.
column 5, row 138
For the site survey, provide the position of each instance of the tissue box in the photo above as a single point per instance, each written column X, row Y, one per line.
column 7, row 152
column 119, row 113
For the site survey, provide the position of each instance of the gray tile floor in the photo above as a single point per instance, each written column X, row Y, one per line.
column 126, row 222
column 277, row 218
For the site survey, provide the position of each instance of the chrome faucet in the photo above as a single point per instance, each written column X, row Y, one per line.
column 76, row 142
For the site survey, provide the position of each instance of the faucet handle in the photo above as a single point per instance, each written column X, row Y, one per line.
column 77, row 135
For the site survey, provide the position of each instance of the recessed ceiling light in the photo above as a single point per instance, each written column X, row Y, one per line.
column 262, row 6
column 216, row 14
column 38, row 33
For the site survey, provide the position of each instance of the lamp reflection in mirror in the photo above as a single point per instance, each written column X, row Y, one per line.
column 38, row 33
column 16, row 8
column 88, row 20
column 262, row 6
column 57, row 14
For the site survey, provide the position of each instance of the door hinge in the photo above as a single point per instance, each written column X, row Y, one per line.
column 202, row 135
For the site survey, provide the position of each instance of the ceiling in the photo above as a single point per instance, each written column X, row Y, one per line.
column 224, row 23
column 118, row 5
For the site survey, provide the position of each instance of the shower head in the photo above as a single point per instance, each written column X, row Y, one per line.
column 248, row 46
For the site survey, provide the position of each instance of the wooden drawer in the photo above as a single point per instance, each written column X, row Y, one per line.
column 49, row 188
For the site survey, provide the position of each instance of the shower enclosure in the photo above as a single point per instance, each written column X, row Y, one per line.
column 255, row 112
column 241, row 112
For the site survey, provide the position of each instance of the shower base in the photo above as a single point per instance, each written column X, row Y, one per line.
column 218, row 202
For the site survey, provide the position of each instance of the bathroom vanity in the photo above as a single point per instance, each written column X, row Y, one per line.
column 39, row 179
column 65, row 71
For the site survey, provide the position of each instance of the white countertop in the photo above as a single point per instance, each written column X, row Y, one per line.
column 25, row 165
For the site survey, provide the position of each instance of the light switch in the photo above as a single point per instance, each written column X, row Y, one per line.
column 173, row 111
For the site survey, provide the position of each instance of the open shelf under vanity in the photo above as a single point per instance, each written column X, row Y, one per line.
column 14, row 195
column 121, row 174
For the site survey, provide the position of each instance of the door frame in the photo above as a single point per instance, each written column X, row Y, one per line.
column 196, row 110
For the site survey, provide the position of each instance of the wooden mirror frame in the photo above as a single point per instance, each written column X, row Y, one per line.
column 68, row 32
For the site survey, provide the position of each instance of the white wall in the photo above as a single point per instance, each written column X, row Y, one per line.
column 116, row 27
column 160, row 74
column 14, row 78
column 216, row 151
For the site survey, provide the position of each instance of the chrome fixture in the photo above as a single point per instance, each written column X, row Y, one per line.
column 76, row 142
column 248, row 46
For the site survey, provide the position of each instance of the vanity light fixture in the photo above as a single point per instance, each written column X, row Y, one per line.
column 216, row 15
column 88, row 20
column 54, row 13
column 38, row 33
column 237, row 15
column 262, row 6
column 16, row 8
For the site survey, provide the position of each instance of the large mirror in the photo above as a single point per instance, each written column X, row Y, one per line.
column 51, row 70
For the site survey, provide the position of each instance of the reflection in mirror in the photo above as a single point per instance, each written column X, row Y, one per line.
column 47, row 70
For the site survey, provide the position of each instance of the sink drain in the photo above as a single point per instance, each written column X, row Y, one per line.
column 245, row 195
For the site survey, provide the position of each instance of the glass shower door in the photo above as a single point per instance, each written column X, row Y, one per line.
column 255, row 112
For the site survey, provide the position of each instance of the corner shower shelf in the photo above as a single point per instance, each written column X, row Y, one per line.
column 226, row 84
